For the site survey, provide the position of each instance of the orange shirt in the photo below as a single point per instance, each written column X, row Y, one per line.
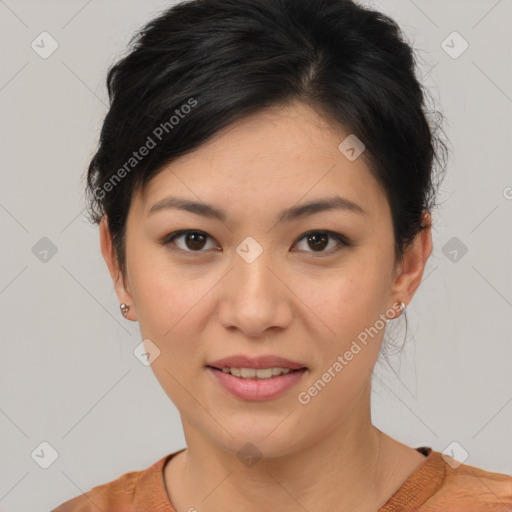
column 434, row 487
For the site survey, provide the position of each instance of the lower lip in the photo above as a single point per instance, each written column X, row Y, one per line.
column 257, row 389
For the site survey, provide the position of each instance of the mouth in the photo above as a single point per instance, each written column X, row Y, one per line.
column 256, row 384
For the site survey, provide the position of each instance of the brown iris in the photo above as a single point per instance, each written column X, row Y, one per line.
column 319, row 240
column 195, row 240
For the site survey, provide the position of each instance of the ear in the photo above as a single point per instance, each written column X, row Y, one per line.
column 107, row 249
column 413, row 263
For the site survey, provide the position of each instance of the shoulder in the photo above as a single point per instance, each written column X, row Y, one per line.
column 119, row 495
column 442, row 484
column 114, row 496
column 469, row 488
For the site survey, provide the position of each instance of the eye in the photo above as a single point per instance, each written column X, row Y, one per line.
column 194, row 241
column 319, row 240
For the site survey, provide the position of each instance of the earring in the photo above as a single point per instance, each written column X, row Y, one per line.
column 124, row 309
column 402, row 308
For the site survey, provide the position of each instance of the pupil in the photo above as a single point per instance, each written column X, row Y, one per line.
column 317, row 243
column 195, row 238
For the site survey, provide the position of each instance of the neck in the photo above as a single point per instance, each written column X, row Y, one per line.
column 343, row 470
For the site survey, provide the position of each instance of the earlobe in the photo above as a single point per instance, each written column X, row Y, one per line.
column 108, row 252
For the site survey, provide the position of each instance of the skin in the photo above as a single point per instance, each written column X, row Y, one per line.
column 293, row 301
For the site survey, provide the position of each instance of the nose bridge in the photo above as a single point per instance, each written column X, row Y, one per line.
column 255, row 294
column 253, row 278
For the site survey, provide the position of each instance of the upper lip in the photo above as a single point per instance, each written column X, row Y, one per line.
column 243, row 361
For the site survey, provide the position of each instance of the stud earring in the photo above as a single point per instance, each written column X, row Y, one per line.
column 402, row 308
column 124, row 309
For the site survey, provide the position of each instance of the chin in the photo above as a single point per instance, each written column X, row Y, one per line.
column 256, row 441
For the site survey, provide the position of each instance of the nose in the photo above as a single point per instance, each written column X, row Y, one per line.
column 255, row 298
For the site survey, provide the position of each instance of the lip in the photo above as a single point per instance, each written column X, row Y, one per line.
column 243, row 361
column 257, row 389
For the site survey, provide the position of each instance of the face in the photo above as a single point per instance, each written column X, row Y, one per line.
column 311, row 286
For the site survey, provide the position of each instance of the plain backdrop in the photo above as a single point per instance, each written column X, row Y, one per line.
column 68, row 374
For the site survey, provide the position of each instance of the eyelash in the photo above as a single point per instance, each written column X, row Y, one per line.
column 343, row 241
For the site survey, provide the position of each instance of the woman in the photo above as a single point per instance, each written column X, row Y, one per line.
column 264, row 187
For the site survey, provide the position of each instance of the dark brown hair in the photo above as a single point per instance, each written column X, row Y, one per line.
column 203, row 64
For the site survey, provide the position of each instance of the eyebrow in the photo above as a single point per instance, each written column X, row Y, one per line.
column 287, row 215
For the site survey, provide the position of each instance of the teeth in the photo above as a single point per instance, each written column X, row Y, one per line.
column 248, row 373
column 261, row 373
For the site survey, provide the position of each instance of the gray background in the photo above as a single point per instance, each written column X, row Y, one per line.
column 68, row 374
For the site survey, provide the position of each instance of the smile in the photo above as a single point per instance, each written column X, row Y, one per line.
column 256, row 384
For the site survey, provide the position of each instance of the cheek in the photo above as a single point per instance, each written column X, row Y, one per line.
column 347, row 354
column 350, row 304
column 166, row 294
column 350, row 298
column 173, row 314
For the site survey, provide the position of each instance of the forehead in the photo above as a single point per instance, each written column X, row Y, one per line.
column 277, row 157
